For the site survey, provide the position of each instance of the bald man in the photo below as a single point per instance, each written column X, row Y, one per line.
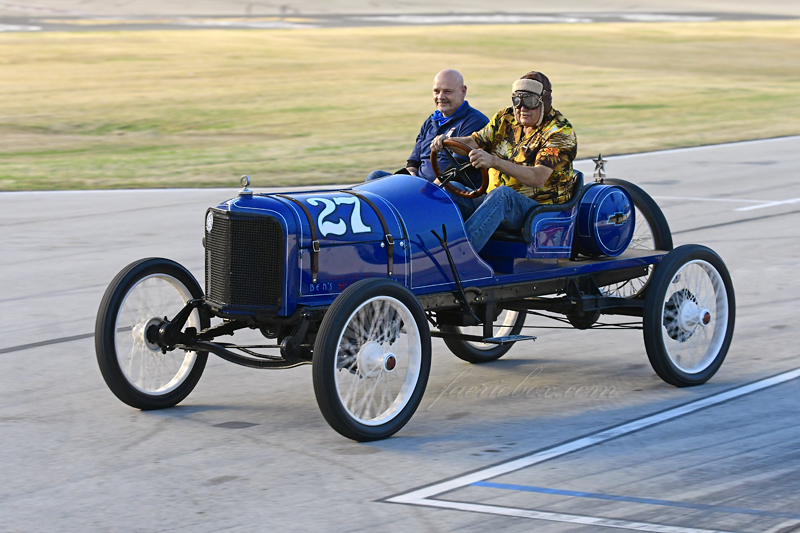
column 453, row 118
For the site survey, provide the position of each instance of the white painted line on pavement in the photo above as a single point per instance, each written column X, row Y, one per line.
column 769, row 204
column 565, row 518
column 422, row 496
column 659, row 17
column 230, row 191
column 692, row 199
column 474, row 19
column 18, row 28
column 704, row 147
column 760, row 204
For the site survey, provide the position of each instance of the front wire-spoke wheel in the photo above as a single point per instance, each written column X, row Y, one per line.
column 651, row 232
column 507, row 323
column 689, row 316
column 371, row 359
column 135, row 304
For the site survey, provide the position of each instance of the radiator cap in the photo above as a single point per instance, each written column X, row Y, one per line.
column 245, row 181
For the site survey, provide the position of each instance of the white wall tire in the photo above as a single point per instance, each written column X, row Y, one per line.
column 689, row 316
column 371, row 360
column 135, row 369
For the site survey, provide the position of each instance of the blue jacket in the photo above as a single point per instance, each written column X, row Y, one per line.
column 461, row 124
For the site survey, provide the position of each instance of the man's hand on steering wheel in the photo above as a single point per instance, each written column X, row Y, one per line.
column 457, row 169
column 438, row 143
column 480, row 158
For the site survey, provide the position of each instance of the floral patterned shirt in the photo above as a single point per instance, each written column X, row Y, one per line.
column 552, row 144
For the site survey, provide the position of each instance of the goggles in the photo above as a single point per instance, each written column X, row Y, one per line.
column 529, row 100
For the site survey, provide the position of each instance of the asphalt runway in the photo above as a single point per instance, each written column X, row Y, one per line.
column 17, row 16
column 17, row 24
column 587, row 439
column 292, row 8
column 99, row 15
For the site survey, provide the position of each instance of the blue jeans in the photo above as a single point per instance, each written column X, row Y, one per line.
column 502, row 207
column 375, row 174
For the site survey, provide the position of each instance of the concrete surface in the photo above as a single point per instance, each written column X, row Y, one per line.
column 380, row 7
column 249, row 451
column 98, row 15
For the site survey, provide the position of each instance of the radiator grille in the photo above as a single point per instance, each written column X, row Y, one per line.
column 244, row 260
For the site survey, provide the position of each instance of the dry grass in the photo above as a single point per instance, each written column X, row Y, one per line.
column 200, row 108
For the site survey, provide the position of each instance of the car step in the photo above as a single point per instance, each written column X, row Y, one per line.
column 491, row 340
column 508, row 338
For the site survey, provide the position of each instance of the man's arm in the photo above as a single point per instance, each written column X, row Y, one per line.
column 535, row 176
column 415, row 159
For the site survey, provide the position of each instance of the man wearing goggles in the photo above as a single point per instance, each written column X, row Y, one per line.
column 523, row 99
column 528, row 149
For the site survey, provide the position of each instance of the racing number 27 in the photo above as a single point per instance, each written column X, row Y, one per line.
column 339, row 227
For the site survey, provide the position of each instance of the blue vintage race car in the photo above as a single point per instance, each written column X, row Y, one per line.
column 356, row 282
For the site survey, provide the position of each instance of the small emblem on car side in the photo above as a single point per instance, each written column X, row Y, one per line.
column 209, row 222
column 617, row 219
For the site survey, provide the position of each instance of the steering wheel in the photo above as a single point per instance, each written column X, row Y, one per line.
column 457, row 170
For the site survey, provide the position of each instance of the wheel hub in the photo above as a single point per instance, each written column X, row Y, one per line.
column 140, row 336
column 372, row 360
column 691, row 315
column 682, row 315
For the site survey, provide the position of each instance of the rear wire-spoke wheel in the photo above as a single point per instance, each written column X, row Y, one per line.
column 651, row 232
column 134, row 367
column 689, row 316
column 508, row 323
column 372, row 359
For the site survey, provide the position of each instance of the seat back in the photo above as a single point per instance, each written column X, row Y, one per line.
column 547, row 232
column 540, row 217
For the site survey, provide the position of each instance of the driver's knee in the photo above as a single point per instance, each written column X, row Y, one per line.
column 466, row 206
column 502, row 192
column 459, row 186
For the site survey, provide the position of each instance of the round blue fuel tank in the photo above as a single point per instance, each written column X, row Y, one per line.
column 605, row 221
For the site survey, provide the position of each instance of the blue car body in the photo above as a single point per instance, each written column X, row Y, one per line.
column 352, row 243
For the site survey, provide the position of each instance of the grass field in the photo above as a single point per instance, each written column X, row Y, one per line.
column 200, row 108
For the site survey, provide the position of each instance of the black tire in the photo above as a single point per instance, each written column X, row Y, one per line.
column 651, row 232
column 135, row 370
column 351, row 361
column 510, row 323
column 689, row 313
